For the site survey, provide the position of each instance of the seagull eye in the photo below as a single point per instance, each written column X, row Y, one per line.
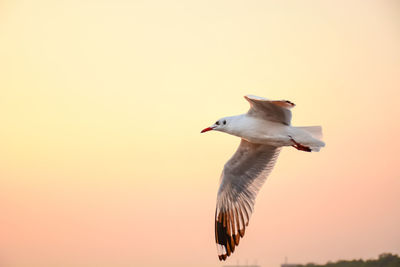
column 217, row 122
column 224, row 122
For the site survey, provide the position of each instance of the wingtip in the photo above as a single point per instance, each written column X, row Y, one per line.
column 222, row 257
column 241, row 232
column 290, row 103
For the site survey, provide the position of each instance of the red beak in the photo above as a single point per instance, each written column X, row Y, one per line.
column 206, row 129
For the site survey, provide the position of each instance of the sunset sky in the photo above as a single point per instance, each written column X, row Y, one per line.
column 102, row 163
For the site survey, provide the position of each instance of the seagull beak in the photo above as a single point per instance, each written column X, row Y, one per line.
column 207, row 129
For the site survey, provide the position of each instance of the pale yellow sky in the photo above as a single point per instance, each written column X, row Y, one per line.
column 102, row 102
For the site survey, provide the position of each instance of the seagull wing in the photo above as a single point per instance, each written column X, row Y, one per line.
column 273, row 110
column 241, row 179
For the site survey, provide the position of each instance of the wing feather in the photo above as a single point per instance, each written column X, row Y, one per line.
column 273, row 110
column 241, row 179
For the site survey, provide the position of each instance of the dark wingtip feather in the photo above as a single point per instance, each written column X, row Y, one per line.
column 223, row 235
column 237, row 239
column 241, row 232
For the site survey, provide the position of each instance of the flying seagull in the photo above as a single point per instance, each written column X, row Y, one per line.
column 264, row 129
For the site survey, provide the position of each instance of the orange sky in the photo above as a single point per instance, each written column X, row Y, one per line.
column 102, row 102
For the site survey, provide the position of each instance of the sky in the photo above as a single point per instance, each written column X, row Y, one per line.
column 102, row 162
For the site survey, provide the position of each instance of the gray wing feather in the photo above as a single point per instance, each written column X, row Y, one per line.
column 241, row 179
column 272, row 110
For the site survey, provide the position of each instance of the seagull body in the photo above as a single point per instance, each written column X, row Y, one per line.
column 260, row 131
column 263, row 130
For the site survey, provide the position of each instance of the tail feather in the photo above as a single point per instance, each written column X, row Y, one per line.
column 315, row 131
column 310, row 136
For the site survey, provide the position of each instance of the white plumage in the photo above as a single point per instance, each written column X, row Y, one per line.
column 264, row 129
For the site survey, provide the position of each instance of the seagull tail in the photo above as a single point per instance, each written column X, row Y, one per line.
column 315, row 131
column 310, row 136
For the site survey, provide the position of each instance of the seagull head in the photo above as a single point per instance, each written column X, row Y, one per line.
column 219, row 125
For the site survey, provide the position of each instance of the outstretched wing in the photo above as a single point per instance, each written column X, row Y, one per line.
column 241, row 179
column 273, row 110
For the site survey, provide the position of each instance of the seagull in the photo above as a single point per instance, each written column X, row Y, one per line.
column 263, row 130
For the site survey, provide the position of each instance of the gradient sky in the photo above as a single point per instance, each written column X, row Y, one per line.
column 102, row 102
